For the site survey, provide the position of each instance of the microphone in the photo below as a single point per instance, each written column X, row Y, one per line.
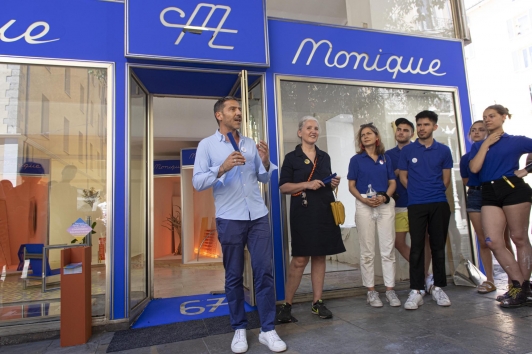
column 233, row 142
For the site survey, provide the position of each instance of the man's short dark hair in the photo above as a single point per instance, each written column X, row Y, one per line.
column 219, row 105
column 432, row 116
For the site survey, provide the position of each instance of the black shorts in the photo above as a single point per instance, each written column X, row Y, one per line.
column 499, row 192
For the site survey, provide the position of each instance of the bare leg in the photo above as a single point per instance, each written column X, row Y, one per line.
column 493, row 223
column 485, row 252
column 518, row 217
column 401, row 246
column 295, row 273
column 508, row 242
column 317, row 274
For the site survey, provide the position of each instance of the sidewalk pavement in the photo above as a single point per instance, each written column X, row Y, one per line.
column 474, row 323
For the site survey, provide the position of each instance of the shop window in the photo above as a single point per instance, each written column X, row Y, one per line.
column 91, row 114
column 81, row 98
column 67, row 81
column 44, row 188
column 66, row 135
column 340, row 110
column 80, row 147
column 45, row 116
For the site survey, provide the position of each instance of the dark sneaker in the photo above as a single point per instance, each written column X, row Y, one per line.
column 527, row 288
column 517, row 297
column 285, row 313
column 319, row 309
column 506, row 295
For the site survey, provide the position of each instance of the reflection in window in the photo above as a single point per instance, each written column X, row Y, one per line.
column 341, row 109
column 43, row 185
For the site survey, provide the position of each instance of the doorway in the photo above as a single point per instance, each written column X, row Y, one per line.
column 176, row 253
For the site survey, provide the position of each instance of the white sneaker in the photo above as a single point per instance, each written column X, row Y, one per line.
column 239, row 343
column 392, row 298
column 272, row 340
column 440, row 297
column 415, row 299
column 429, row 283
column 373, row 299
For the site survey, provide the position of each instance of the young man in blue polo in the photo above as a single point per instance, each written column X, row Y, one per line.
column 425, row 170
column 404, row 131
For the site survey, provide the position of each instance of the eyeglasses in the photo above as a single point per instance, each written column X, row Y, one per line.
column 366, row 125
column 304, row 201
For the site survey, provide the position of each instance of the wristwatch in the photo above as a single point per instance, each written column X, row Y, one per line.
column 385, row 196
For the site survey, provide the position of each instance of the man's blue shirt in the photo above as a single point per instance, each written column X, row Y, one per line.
column 503, row 157
column 236, row 193
column 364, row 170
column 394, row 154
column 425, row 171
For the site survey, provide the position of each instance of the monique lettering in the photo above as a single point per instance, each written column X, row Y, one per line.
column 394, row 64
column 28, row 35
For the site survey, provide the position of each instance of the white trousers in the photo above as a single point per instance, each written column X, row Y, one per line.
column 366, row 227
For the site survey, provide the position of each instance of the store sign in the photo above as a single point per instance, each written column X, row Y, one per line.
column 30, row 35
column 188, row 156
column 167, row 167
column 350, row 53
column 232, row 32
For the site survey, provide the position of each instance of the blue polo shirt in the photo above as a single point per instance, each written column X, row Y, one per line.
column 402, row 202
column 502, row 158
column 365, row 171
column 465, row 172
column 425, row 171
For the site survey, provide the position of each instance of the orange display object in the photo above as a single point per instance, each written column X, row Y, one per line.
column 76, row 312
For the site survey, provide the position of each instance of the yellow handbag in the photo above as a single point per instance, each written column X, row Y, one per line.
column 338, row 209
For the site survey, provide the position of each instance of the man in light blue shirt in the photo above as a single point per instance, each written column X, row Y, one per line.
column 241, row 218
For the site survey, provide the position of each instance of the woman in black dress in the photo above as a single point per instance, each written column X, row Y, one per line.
column 314, row 232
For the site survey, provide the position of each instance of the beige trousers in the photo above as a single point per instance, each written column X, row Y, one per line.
column 385, row 227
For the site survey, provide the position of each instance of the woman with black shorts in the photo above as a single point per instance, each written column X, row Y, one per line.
column 506, row 198
column 477, row 133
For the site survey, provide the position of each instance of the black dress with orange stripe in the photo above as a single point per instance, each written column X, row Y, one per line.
column 313, row 230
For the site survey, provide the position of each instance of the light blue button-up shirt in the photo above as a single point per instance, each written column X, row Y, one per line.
column 236, row 193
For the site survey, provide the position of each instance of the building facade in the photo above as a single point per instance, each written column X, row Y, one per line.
column 103, row 103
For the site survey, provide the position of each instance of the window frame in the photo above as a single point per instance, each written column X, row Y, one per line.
column 46, row 323
column 278, row 78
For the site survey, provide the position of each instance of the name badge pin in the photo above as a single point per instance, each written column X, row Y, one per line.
column 380, row 161
column 414, row 160
column 307, row 161
column 243, row 149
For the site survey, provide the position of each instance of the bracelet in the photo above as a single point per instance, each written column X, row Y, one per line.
column 528, row 168
column 223, row 169
column 386, row 196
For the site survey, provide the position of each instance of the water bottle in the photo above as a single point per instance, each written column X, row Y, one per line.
column 372, row 194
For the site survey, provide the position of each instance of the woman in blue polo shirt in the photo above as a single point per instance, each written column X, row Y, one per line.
column 371, row 166
column 506, row 198
column 478, row 132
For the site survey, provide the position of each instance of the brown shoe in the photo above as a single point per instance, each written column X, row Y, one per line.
column 486, row 287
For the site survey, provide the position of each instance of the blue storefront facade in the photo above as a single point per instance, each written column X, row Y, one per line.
column 187, row 48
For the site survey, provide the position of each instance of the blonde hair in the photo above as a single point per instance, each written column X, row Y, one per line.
column 380, row 150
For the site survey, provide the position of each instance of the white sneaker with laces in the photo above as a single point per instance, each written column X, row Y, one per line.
column 272, row 340
column 392, row 298
column 415, row 299
column 373, row 299
column 429, row 283
column 440, row 297
column 239, row 343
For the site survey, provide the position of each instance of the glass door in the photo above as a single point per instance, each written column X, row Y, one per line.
column 138, row 232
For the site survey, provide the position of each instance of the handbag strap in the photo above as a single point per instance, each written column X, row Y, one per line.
column 310, row 176
column 335, row 191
